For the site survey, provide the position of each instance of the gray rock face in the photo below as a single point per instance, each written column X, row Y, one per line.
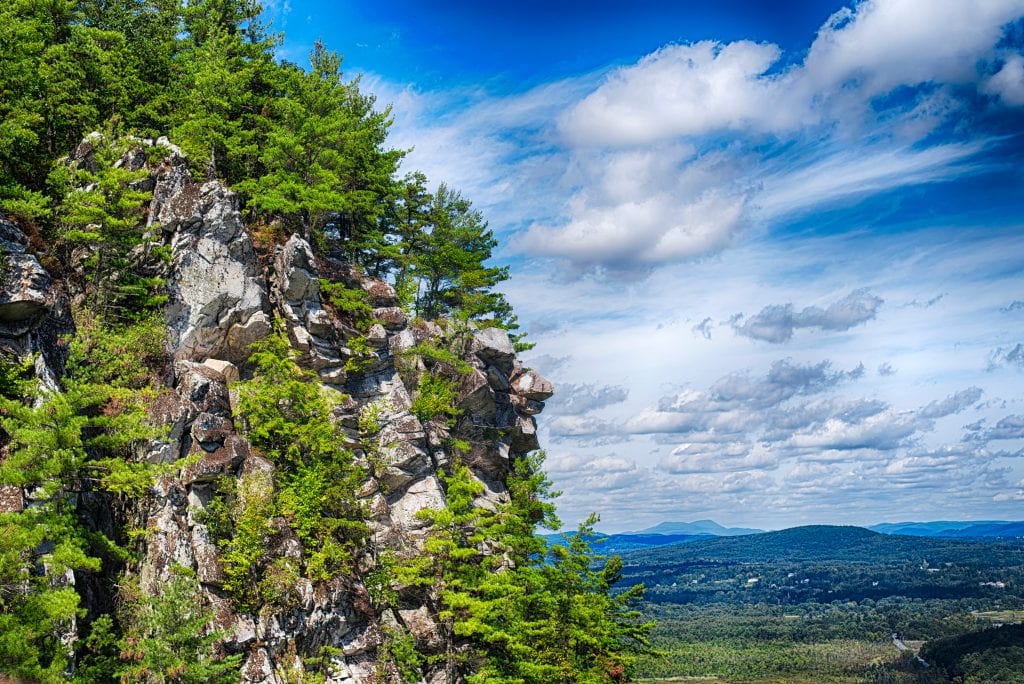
column 492, row 345
column 24, row 294
column 218, row 300
column 221, row 299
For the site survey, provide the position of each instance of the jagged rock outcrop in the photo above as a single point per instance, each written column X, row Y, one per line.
column 223, row 296
column 218, row 302
column 24, row 298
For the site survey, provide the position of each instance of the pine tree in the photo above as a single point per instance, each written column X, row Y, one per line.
column 227, row 75
column 150, row 29
column 59, row 79
column 104, row 212
column 450, row 264
column 324, row 156
column 60, row 446
column 512, row 610
column 169, row 637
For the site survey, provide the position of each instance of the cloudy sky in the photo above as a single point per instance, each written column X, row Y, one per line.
column 771, row 254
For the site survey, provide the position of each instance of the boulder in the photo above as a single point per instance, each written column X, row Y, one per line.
column 533, row 385
column 24, row 298
column 391, row 317
column 493, row 346
column 380, row 293
column 217, row 296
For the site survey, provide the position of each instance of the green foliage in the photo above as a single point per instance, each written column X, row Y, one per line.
column 66, row 442
column 288, row 415
column 306, row 149
column 35, row 608
column 244, row 552
column 226, row 79
column 285, row 408
column 433, row 354
column 15, row 376
column 450, row 262
column 86, row 432
column 103, row 212
column 352, row 302
column 169, row 639
column 59, row 79
column 323, row 154
column 508, row 614
column 990, row 655
column 400, row 650
column 435, row 399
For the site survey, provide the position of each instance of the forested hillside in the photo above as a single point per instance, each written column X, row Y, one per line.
column 262, row 417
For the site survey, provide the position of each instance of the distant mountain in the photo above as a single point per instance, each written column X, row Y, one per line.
column 825, row 563
column 954, row 529
column 612, row 544
column 705, row 527
column 820, row 543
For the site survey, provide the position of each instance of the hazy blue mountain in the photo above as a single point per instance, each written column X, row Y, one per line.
column 707, row 527
column 612, row 544
column 826, row 563
column 829, row 543
column 956, row 529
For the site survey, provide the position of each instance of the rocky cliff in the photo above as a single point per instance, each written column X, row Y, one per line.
column 224, row 295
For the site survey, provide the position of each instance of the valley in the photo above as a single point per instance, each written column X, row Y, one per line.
column 829, row 604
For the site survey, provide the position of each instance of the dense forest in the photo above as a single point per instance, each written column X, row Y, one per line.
column 828, row 604
column 98, row 98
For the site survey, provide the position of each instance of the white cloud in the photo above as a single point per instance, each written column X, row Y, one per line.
column 648, row 231
column 777, row 322
column 886, row 43
column 1008, row 82
column 681, row 90
column 682, row 168
column 718, row 458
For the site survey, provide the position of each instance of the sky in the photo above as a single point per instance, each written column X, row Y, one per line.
column 771, row 254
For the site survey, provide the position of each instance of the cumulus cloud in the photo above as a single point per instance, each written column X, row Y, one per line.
column 1010, row 427
column 883, row 431
column 777, row 322
column 1007, row 356
column 955, row 403
column 886, row 369
column 718, row 458
column 641, row 146
column 884, row 44
column 681, row 90
column 575, row 399
column 1008, row 83
column 580, row 426
column 596, row 474
column 640, row 233
column 687, row 90
column 737, row 404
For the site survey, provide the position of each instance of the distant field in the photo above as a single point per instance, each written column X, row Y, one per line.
column 1006, row 616
column 736, row 662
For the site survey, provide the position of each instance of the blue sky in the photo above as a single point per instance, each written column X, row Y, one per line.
column 771, row 254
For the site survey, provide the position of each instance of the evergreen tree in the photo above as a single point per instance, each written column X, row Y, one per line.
column 227, row 74
column 324, row 156
column 169, row 638
column 591, row 631
column 67, row 443
column 512, row 610
column 409, row 220
column 450, row 264
column 150, row 29
column 59, row 79
column 105, row 214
